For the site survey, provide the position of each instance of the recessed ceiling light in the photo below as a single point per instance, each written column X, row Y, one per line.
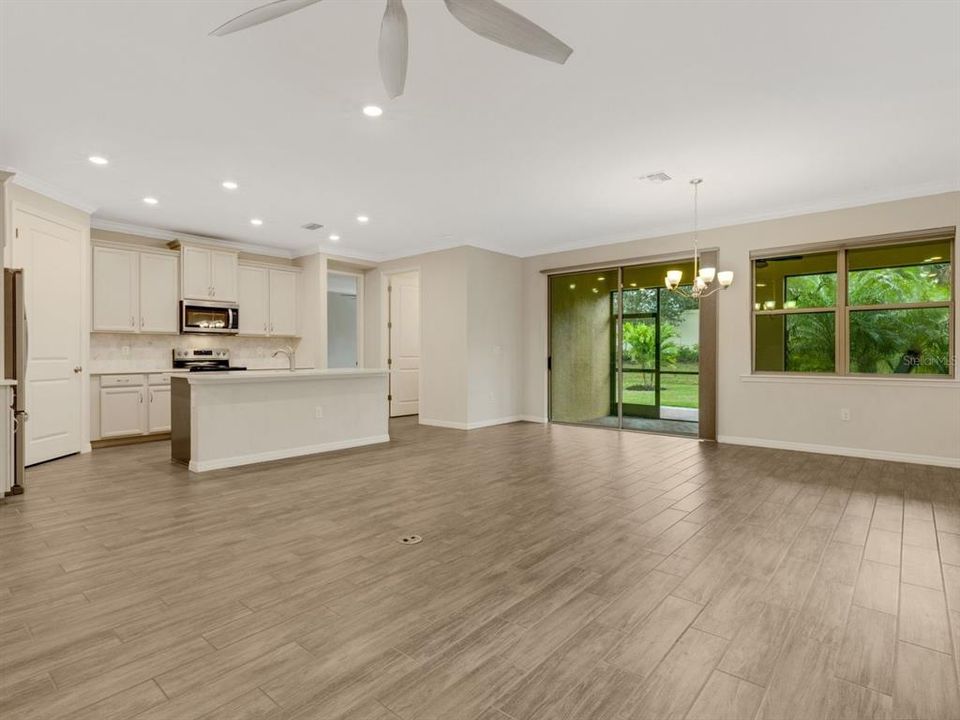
column 934, row 258
column 256, row 221
column 229, row 185
column 150, row 200
column 601, row 278
column 334, row 238
column 373, row 111
column 362, row 219
column 98, row 160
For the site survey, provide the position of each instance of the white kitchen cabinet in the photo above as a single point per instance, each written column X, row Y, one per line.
column 254, row 299
column 134, row 291
column 268, row 301
column 121, row 411
column 223, row 275
column 158, row 292
column 283, row 302
column 208, row 274
column 128, row 405
column 115, row 290
column 158, row 410
column 195, row 272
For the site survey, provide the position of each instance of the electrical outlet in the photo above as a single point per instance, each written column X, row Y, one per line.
column 845, row 414
column 318, row 412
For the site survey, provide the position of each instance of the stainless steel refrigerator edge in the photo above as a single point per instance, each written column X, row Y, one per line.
column 15, row 366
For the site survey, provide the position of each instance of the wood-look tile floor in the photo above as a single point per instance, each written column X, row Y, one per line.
column 565, row 572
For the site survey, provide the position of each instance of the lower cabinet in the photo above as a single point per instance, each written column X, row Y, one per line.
column 158, row 411
column 121, row 411
column 131, row 405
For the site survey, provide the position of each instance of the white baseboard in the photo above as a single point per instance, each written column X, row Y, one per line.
column 534, row 419
column 470, row 426
column 916, row 459
column 221, row 463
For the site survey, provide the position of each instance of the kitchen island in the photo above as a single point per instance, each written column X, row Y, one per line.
column 225, row 419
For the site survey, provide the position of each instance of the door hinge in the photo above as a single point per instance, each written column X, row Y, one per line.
column 549, row 362
column 389, row 326
column 389, row 398
column 16, row 232
column 389, row 361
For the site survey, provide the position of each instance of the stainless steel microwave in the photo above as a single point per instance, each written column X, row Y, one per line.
column 209, row 318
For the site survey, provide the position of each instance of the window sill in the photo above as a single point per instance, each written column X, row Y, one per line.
column 941, row 383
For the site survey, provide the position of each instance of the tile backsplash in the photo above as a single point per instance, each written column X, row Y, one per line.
column 116, row 352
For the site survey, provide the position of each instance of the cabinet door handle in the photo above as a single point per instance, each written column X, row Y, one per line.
column 140, row 395
column 151, row 396
column 142, row 323
column 264, row 327
column 133, row 321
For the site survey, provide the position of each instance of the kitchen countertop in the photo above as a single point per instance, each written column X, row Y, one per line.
column 249, row 376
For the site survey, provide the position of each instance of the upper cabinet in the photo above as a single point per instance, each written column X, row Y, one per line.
column 159, row 275
column 134, row 290
column 116, row 289
column 208, row 274
column 254, row 293
column 283, row 302
column 268, row 301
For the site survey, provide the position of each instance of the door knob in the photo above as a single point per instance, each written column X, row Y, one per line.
column 77, row 369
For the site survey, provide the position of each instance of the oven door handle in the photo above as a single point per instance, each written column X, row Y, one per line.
column 231, row 321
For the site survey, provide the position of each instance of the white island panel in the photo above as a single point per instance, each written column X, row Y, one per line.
column 222, row 420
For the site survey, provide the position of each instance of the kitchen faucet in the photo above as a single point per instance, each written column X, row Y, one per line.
column 291, row 356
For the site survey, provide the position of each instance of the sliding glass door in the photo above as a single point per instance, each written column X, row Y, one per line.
column 624, row 351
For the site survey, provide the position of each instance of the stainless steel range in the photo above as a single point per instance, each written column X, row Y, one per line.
column 204, row 360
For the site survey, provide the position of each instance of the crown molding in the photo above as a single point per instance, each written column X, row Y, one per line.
column 98, row 223
column 29, row 182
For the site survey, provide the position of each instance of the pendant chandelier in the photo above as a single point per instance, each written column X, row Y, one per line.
column 703, row 277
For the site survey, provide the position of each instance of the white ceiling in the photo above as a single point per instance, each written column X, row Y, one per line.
column 783, row 107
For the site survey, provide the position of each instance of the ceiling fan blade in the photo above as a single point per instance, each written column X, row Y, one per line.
column 270, row 11
column 393, row 48
column 496, row 22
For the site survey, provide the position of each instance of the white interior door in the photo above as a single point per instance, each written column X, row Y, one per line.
column 51, row 257
column 404, row 349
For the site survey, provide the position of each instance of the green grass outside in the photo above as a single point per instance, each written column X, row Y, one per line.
column 675, row 390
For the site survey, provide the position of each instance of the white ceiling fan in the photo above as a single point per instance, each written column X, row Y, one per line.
column 487, row 18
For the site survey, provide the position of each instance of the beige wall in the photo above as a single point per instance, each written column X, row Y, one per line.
column 470, row 333
column 890, row 418
column 443, row 330
column 494, row 336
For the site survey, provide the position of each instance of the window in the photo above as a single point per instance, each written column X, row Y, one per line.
column 878, row 308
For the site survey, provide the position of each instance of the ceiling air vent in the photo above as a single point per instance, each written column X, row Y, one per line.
column 657, row 177
column 312, row 226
